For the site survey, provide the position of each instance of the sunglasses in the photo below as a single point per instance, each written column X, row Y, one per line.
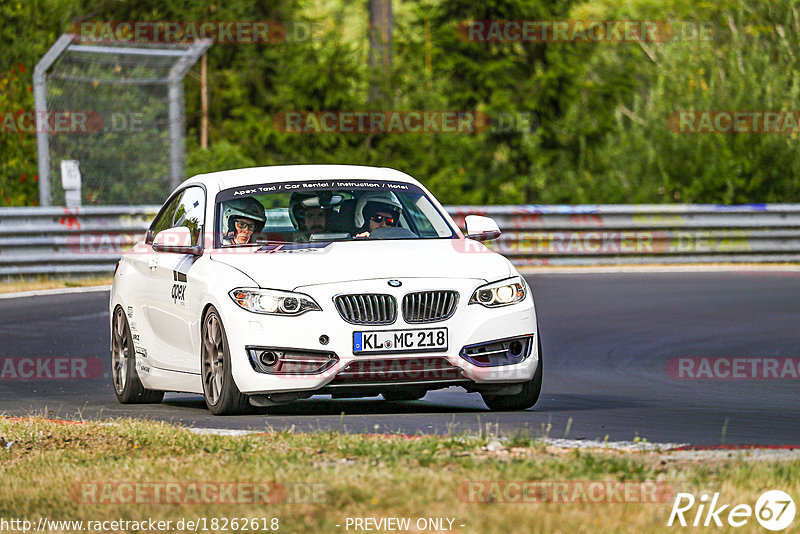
column 380, row 218
column 241, row 225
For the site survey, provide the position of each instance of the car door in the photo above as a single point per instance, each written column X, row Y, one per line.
column 167, row 311
column 144, row 294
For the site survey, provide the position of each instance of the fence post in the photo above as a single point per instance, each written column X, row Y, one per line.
column 177, row 131
column 40, row 104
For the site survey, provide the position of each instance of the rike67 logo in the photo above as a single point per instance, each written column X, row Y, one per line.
column 774, row 510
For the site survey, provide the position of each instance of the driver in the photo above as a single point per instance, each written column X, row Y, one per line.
column 308, row 215
column 241, row 219
column 375, row 210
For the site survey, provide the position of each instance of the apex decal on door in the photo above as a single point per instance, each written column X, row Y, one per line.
column 179, row 293
column 179, row 290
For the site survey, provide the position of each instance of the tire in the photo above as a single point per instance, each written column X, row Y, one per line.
column 219, row 390
column 523, row 400
column 127, row 386
column 403, row 395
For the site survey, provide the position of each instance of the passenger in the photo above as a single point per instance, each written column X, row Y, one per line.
column 308, row 217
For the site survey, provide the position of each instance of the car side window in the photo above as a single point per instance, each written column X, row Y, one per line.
column 187, row 208
column 191, row 211
column 164, row 220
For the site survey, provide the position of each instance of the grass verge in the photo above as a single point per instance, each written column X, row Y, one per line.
column 79, row 472
column 14, row 284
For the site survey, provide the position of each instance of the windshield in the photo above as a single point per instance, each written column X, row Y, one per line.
column 324, row 211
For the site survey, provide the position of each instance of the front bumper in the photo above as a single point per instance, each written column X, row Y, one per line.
column 469, row 325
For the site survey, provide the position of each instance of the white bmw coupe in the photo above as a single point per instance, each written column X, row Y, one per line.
column 261, row 286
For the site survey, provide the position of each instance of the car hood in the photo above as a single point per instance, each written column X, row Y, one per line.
column 293, row 265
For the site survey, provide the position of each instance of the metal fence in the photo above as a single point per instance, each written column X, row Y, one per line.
column 118, row 109
column 91, row 239
column 87, row 240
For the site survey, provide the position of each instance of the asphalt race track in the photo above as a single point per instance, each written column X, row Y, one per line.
column 607, row 342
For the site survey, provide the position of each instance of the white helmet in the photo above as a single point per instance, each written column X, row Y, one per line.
column 376, row 201
column 248, row 208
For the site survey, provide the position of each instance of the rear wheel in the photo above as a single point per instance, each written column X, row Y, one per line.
column 403, row 395
column 220, row 391
column 523, row 400
column 127, row 386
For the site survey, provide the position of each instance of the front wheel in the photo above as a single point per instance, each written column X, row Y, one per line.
column 220, row 391
column 127, row 386
column 524, row 399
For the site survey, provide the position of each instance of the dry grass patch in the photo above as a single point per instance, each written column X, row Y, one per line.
column 15, row 284
column 324, row 478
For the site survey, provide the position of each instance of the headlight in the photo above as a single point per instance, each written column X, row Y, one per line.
column 272, row 302
column 500, row 293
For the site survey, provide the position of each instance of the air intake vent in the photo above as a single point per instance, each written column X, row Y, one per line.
column 397, row 371
column 369, row 308
column 429, row 306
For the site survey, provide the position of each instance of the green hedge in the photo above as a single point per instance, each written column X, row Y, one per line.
column 599, row 131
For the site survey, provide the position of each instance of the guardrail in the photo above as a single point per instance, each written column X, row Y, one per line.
column 85, row 240
column 91, row 239
column 612, row 234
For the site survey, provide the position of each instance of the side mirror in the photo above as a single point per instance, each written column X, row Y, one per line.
column 177, row 240
column 481, row 228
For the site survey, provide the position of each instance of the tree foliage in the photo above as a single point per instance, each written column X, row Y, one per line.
column 600, row 132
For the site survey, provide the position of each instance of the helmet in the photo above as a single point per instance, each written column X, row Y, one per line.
column 371, row 202
column 247, row 207
column 300, row 202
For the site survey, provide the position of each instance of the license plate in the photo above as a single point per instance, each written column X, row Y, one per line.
column 424, row 340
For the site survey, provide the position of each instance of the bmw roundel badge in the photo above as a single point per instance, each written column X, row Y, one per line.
column 395, row 283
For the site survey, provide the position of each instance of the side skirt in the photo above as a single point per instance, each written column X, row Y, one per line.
column 164, row 380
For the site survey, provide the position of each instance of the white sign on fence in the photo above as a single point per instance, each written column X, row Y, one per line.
column 71, row 180
column 70, row 174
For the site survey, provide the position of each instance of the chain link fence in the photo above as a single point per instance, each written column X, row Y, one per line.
column 119, row 111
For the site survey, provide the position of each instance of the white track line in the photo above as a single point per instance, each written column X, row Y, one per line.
column 612, row 445
column 59, row 291
column 666, row 449
column 222, row 431
column 563, row 443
